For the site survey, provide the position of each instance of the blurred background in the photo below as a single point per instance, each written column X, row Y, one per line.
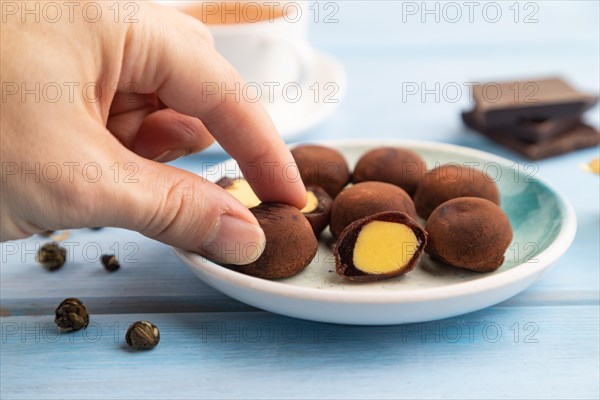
column 382, row 53
column 406, row 67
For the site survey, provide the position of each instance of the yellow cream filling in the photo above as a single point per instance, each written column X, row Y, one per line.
column 311, row 203
column 384, row 247
column 241, row 190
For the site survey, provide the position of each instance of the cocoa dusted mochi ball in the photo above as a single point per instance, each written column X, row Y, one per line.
column 469, row 232
column 317, row 209
column 367, row 198
column 400, row 167
column 450, row 181
column 290, row 242
column 322, row 166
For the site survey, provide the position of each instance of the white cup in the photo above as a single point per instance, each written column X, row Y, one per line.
column 265, row 47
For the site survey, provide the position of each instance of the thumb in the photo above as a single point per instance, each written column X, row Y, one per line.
column 184, row 210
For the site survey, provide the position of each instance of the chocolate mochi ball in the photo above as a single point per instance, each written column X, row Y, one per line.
column 322, row 166
column 290, row 242
column 380, row 246
column 367, row 198
column 400, row 167
column 317, row 209
column 469, row 232
column 451, row 181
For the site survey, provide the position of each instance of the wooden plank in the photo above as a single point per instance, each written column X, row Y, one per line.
column 501, row 352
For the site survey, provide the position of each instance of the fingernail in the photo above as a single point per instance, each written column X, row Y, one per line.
column 235, row 241
column 170, row 155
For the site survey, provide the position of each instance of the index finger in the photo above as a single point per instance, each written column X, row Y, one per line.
column 172, row 54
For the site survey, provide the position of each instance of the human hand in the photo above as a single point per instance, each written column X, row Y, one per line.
column 165, row 57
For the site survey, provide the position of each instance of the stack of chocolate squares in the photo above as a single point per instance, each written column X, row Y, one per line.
column 537, row 118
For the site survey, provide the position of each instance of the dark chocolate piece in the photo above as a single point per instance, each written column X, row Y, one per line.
column 508, row 103
column 538, row 130
column 367, row 198
column 470, row 233
column 579, row 137
column 344, row 249
column 400, row 167
column 319, row 218
column 531, row 130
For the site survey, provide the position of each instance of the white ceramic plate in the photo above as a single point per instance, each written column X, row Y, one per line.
column 543, row 223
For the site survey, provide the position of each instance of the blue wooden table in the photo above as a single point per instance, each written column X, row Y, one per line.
column 543, row 343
